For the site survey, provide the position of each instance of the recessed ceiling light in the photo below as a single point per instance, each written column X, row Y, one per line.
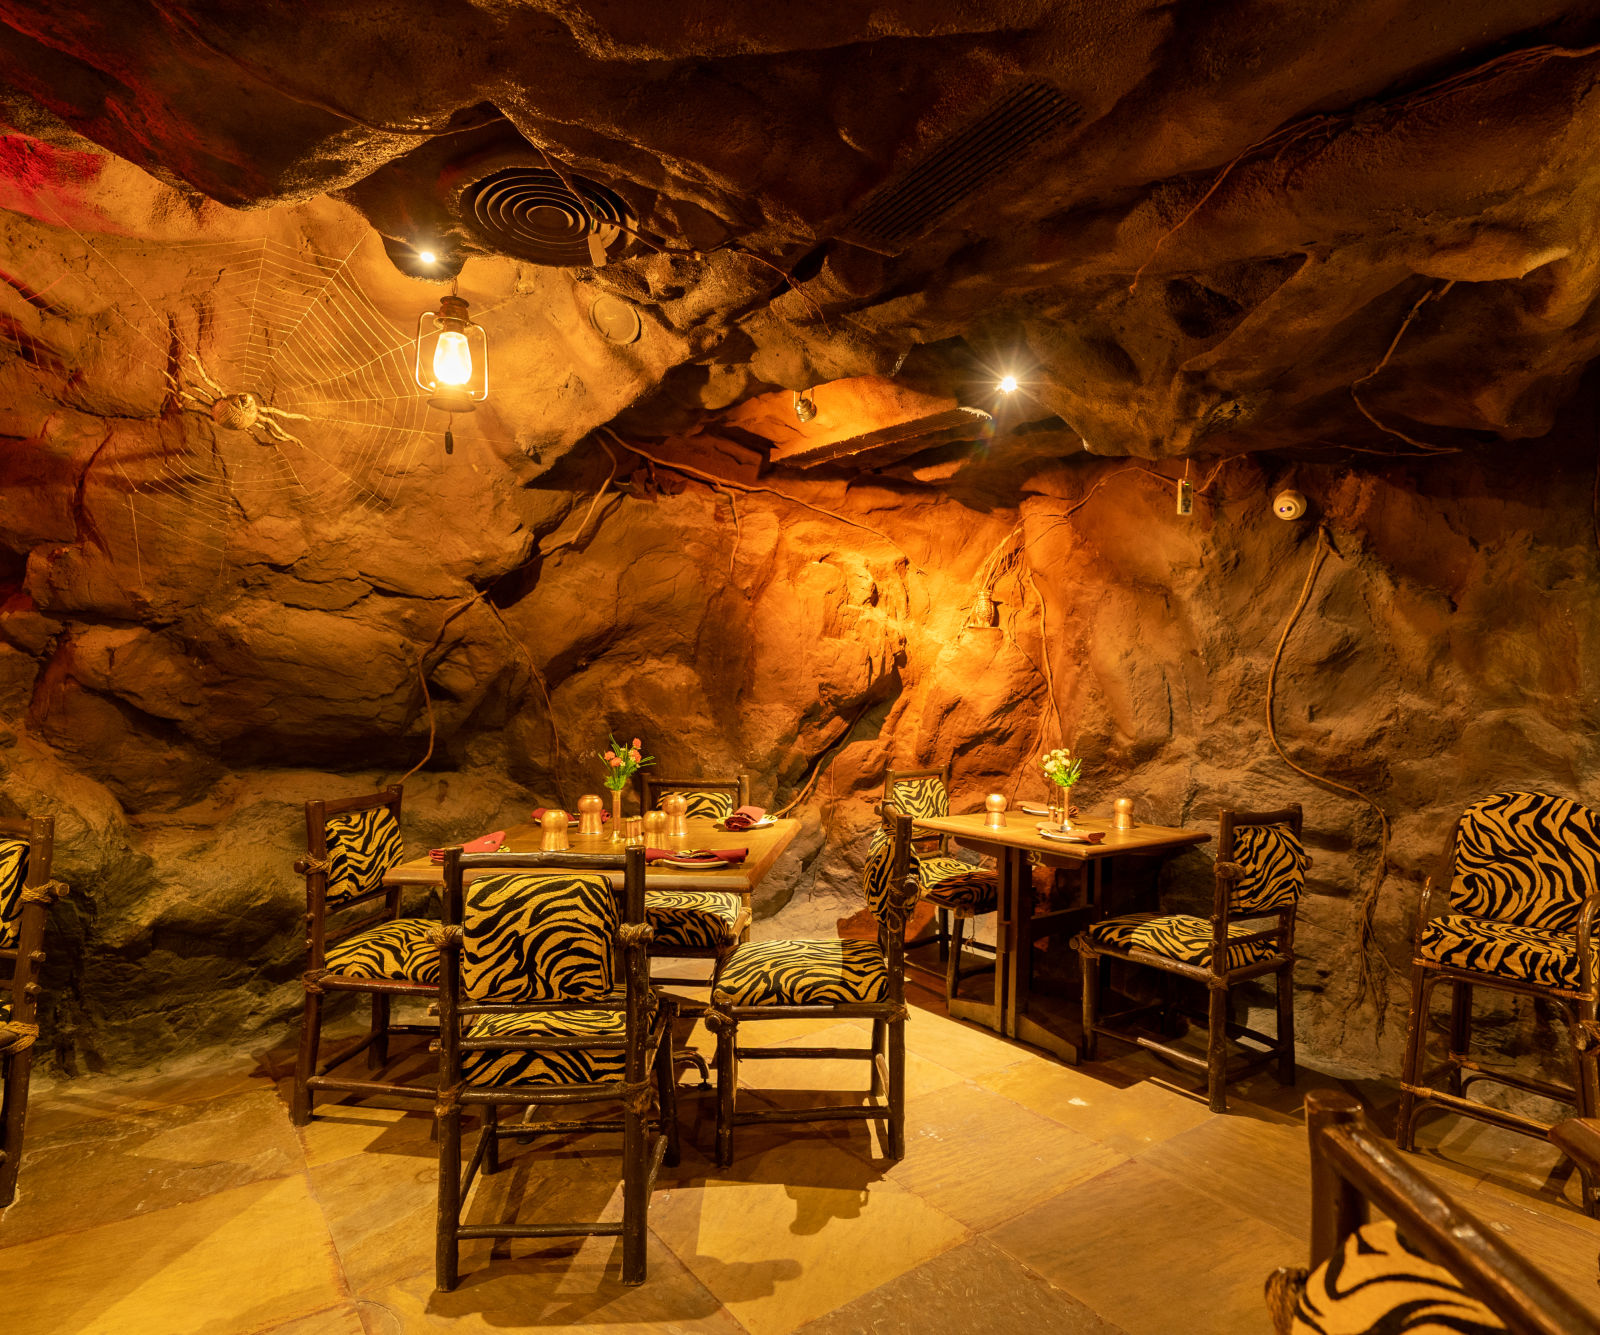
column 427, row 256
column 1008, row 384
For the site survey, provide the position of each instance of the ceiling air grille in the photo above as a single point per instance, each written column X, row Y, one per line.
column 907, row 206
column 532, row 214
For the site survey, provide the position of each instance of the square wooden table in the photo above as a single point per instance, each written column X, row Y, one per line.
column 764, row 848
column 1014, row 848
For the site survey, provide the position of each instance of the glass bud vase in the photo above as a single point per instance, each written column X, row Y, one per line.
column 616, row 815
column 1061, row 812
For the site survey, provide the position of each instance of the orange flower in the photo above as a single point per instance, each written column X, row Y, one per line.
column 636, row 745
column 616, row 762
column 635, row 756
column 610, row 755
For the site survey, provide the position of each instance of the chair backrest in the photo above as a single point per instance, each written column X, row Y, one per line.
column 1525, row 858
column 890, row 858
column 13, row 872
column 350, row 844
column 539, row 936
column 709, row 799
column 1434, row 1267
column 918, row 793
column 1266, row 847
column 27, row 849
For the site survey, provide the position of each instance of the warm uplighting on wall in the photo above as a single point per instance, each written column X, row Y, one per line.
column 452, row 360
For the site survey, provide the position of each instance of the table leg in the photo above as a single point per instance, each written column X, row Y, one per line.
column 991, row 1014
column 1019, row 1024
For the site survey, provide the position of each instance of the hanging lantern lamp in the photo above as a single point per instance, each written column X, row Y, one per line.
column 452, row 361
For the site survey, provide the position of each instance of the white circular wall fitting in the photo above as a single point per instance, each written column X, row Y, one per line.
column 615, row 318
column 1288, row 505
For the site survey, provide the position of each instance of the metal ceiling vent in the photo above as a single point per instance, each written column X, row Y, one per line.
column 954, row 169
column 532, row 214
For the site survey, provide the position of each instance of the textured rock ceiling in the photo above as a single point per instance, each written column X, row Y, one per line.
column 1264, row 225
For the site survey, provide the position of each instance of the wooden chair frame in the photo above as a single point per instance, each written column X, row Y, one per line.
column 948, row 929
column 1352, row 1170
column 319, row 980
column 887, row 1053
column 1217, row 977
column 1578, row 1009
column 647, row 1044
column 19, row 1035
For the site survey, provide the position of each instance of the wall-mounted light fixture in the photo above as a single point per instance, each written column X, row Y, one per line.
column 452, row 360
column 805, row 407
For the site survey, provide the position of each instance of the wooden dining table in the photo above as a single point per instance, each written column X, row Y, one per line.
column 763, row 848
column 1102, row 868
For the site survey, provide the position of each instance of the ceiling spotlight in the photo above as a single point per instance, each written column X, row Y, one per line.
column 426, row 256
column 1008, row 384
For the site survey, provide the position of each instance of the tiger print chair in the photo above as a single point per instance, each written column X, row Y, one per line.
column 958, row 890
column 1523, row 871
column 545, row 1001
column 27, row 848
column 829, row 981
column 695, row 924
column 1260, row 873
column 1427, row 1266
column 350, row 844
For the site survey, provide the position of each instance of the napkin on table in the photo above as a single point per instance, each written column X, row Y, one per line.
column 489, row 843
column 744, row 818
column 731, row 856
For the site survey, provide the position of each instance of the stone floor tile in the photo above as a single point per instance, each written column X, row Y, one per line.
column 969, row 1050
column 97, row 1170
column 1152, row 1255
column 235, row 1261
column 1128, row 1119
column 1564, row 1244
column 1260, row 1167
column 337, row 1131
column 790, row 1233
column 342, row 1320
column 981, row 1158
column 975, row 1286
column 844, row 1074
column 571, row 1285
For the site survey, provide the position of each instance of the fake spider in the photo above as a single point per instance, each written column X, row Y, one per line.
column 236, row 412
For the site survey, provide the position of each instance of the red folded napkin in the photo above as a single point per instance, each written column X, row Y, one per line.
column 489, row 843
column 732, row 856
column 1075, row 836
column 744, row 818
column 537, row 814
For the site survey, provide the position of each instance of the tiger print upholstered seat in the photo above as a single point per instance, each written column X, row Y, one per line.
column 547, row 1066
column 1548, row 959
column 401, row 950
column 957, row 884
column 1376, row 1281
column 1522, row 877
column 13, row 871
column 1260, row 873
column 1178, row 936
column 362, row 846
column 709, row 799
column 801, row 973
column 693, row 919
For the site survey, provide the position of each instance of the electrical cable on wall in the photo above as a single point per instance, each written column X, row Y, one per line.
column 1366, row 904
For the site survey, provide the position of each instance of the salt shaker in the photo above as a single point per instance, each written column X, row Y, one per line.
column 553, row 825
column 633, row 829
column 655, row 828
column 676, row 805
column 995, row 808
column 589, row 814
column 1123, row 817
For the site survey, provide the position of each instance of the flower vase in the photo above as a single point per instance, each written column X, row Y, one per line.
column 1061, row 812
column 616, row 816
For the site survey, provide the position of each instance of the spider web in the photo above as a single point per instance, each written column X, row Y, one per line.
column 292, row 327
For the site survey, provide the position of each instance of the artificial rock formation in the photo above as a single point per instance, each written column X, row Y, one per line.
column 1350, row 254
